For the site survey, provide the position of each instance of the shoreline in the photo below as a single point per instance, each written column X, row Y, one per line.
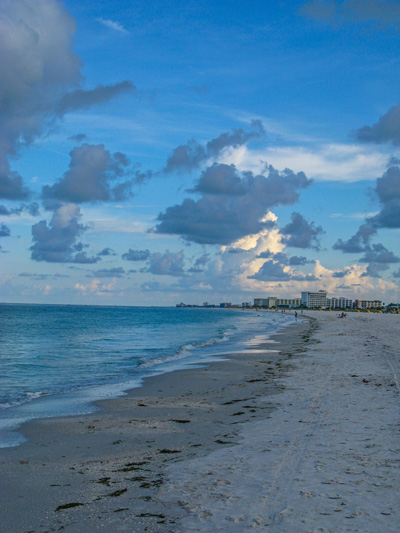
column 172, row 416
column 85, row 400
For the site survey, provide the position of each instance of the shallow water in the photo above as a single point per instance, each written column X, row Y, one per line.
column 56, row 360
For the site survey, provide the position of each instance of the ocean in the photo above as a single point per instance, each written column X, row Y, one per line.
column 57, row 360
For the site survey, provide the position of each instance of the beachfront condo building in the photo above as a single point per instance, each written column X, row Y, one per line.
column 339, row 303
column 265, row 302
column 314, row 300
column 288, row 302
column 368, row 304
column 273, row 301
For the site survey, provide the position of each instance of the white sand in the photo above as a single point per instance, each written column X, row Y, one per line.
column 328, row 457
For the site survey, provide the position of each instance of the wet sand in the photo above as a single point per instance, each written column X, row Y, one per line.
column 304, row 438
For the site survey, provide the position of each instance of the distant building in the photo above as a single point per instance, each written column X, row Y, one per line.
column 339, row 303
column 314, row 300
column 265, row 302
column 368, row 304
column 288, row 302
column 246, row 304
column 225, row 304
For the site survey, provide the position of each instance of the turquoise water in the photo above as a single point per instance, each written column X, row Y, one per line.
column 57, row 360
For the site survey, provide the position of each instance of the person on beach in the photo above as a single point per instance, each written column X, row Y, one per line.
column 295, row 315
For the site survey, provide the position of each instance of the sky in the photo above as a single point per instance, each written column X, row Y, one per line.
column 156, row 152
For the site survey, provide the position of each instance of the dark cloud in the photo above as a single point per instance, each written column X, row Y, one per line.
column 341, row 273
column 79, row 137
column 32, row 209
column 388, row 191
column 91, row 177
column 4, row 231
column 56, row 242
column 359, row 242
column 232, row 205
column 188, row 156
column 300, row 233
column 297, row 260
column 396, row 274
column 39, row 80
column 374, row 270
column 42, row 276
column 81, row 99
column 387, row 129
column 166, row 264
column 106, row 251
column 199, row 264
column 116, row 272
column 375, row 13
column 271, row 271
column 284, row 259
column 220, row 179
column 236, row 251
column 377, row 253
column 11, row 185
column 136, row 255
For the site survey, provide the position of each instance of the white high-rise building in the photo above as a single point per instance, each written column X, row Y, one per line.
column 314, row 300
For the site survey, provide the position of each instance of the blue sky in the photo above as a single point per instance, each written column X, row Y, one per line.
column 157, row 152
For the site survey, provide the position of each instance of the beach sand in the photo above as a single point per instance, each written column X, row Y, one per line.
column 304, row 438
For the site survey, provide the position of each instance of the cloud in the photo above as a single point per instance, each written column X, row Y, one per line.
column 96, row 288
column 116, row 26
column 374, row 270
column 232, row 204
column 116, row 272
column 91, row 177
column 166, row 264
column 79, row 137
column 199, row 264
column 4, row 231
column 271, row 271
column 378, row 13
column 387, row 129
column 284, row 259
column 322, row 162
column 396, row 274
column 42, row 276
column 57, row 241
column 388, row 191
column 106, row 251
column 377, row 253
column 32, row 209
column 341, row 273
column 81, row 99
column 300, row 233
column 136, row 255
column 39, row 80
column 189, row 156
column 358, row 242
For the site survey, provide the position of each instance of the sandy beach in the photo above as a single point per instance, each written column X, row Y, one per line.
column 299, row 435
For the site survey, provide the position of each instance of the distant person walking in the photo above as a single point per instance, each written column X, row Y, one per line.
column 295, row 315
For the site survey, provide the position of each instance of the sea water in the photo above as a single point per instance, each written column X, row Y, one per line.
column 56, row 360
